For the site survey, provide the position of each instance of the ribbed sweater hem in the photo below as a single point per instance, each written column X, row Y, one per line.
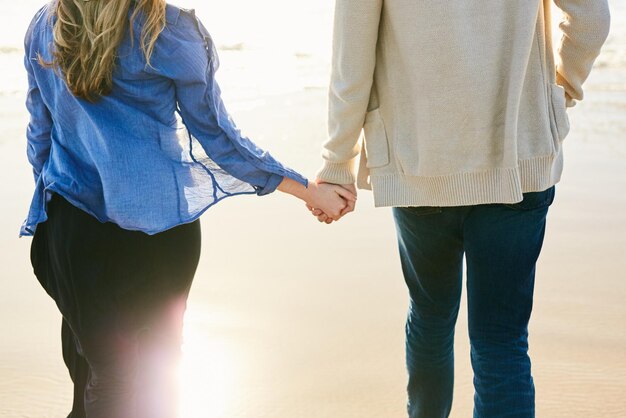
column 501, row 185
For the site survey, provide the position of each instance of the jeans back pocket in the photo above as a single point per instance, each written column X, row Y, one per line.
column 423, row 210
column 534, row 200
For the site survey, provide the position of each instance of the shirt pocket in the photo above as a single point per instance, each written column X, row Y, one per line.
column 376, row 144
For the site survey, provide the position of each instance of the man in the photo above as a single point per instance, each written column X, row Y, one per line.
column 463, row 110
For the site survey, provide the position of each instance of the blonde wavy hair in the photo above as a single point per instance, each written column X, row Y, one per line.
column 87, row 34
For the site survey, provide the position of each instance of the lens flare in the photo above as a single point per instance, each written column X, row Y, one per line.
column 207, row 374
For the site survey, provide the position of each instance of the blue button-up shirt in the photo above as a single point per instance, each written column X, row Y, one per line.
column 156, row 152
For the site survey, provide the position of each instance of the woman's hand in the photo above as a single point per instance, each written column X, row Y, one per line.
column 351, row 204
column 330, row 199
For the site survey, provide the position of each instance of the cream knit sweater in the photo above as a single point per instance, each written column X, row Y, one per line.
column 460, row 102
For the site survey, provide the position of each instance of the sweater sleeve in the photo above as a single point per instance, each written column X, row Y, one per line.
column 354, row 59
column 585, row 27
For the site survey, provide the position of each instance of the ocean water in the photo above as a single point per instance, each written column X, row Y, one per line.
column 266, row 48
column 276, row 46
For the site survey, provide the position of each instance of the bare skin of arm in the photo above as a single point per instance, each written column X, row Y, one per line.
column 331, row 200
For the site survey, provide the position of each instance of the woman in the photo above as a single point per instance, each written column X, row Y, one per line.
column 130, row 143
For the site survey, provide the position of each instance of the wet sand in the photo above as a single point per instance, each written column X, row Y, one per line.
column 290, row 318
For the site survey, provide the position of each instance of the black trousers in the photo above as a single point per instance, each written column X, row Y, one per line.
column 122, row 295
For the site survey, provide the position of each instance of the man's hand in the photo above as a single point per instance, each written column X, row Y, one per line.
column 330, row 199
column 350, row 204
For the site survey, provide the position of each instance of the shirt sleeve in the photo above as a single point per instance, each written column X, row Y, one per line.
column 354, row 60
column 40, row 123
column 189, row 58
column 585, row 27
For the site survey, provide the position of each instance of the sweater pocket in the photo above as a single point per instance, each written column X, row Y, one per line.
column 559, row 111
column 376, row 144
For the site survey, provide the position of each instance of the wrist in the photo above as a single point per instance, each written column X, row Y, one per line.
column 309, row 192
column 297, row 190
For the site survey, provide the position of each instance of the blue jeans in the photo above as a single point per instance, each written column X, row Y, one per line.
column 501, row 244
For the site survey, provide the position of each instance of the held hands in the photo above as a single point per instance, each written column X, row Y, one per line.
column 327, row 202
column 329, row 214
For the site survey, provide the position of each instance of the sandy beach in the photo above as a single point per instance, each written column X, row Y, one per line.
column 320, row 334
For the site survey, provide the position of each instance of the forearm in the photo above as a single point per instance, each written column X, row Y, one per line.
column 245, row 165
column 295, row 189
column 39, row 130
column 37, row 154
column 585, row 28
